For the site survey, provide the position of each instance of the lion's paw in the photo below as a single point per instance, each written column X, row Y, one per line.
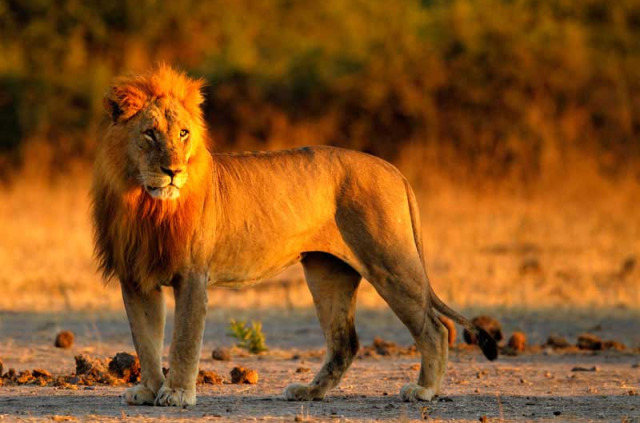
column 301, row 392
column 412, row 392
column 175, row 397
column 138, row 395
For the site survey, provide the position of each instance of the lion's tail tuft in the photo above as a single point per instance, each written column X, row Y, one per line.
column 487, row 344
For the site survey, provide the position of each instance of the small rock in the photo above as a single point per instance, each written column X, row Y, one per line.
column 302, row 370
column 613, row 345
column 221, row 354
column 451, row 328
column 210, row 378
column 64, row 339
column 91, row 370
column 585, row 369
column 11, row 375
column 42, row 373
column 84, row 364
column 518, row 341
column 24, row 377
column 125, row 366
column 587, row 341
column 489, row 324
column 243, row 375
column 383, row 347
column 556, row 341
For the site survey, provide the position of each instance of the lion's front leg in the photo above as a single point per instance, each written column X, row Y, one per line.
column 179, row 388
column 146, row 312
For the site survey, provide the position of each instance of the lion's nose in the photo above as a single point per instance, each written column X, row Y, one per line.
column 172, row 171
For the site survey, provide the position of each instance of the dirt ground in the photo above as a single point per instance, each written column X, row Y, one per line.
column 535, row 386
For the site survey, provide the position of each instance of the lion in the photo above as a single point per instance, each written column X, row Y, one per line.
column 167, row 212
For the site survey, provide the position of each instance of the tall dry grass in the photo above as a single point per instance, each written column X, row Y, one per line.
column 570, row 241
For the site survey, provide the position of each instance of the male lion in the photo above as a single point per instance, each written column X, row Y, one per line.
column 169, row 213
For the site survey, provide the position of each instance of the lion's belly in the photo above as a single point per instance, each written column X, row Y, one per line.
column 238, row 274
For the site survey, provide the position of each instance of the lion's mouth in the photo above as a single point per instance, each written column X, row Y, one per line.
column 167, row 192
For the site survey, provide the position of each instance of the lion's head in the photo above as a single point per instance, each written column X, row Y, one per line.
column 152, row 175
column 157, row 121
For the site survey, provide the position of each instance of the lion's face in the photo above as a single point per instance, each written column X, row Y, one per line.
column 159, row 123
column 160, row 147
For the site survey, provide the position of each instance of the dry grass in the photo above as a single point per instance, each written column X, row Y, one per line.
column 574, row 244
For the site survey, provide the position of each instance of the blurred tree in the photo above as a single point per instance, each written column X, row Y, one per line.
column 499, row 87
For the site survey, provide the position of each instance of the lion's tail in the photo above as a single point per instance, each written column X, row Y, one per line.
column 485, row 341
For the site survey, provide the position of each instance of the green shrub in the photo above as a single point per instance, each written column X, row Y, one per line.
column 250, row 338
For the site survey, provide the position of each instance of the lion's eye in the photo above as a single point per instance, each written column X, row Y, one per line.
column 184, row 134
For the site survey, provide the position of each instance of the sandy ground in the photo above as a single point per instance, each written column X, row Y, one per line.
column 537, row 386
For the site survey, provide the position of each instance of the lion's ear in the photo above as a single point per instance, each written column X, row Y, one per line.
column 122, row 102
column 194, row 96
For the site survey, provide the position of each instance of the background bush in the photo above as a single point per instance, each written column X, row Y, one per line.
column 493, row 88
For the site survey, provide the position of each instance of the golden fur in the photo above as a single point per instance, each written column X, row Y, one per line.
column 167, row 212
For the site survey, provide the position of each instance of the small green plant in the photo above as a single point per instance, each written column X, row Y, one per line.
column 250, row 338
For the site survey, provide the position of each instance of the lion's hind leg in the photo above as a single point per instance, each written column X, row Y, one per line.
column 333, row 285
column 406, row 292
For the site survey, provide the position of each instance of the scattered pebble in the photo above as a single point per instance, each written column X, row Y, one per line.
column 41, row 373
column 614, row 345
column 518, row 341
column 209, row 377
column 588, row 341
column 302, row 370
column 64, row 339
column 221, row 354
column 125, row 366
column 241, row 375
column 585, row 369
column 383, row 347
column 557, row 341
